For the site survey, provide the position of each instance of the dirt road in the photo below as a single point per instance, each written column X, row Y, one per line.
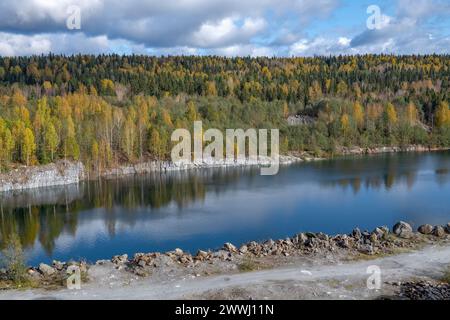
column 302, row 281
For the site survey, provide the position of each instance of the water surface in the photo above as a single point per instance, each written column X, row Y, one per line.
column 205, row 208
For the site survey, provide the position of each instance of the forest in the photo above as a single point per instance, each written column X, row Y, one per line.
column 108, row 110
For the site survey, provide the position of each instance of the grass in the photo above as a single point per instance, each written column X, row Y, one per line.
column 248, row 265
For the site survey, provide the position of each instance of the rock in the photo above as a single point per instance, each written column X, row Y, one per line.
column 366, row 249
column 438, row 231
column 230, row 247
column 378, row 232
column 373, row 237
column 120, row 259
column 302, row 238
column 178, row 252
column 46, row 270
column 447, row 227
column 201, row 255
column 33, row 273
column 385, row 230
column 322, row 236
column 402, row 230
column 425, row 229
column 58, row 265
column 243, row 249
column 356, row 233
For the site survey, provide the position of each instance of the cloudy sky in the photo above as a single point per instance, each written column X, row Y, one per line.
column 224, row 27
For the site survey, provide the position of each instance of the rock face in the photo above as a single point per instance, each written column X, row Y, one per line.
column 55, row 174
column 403, row 230
column 425, row 229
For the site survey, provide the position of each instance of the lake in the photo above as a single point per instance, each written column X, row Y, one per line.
column 203, row 209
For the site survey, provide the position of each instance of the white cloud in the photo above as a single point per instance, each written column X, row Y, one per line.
column 232, row 27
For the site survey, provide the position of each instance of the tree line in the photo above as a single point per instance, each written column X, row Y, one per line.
column 109, row 109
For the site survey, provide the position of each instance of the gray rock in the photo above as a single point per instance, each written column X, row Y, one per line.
column 58, row 265
column 46, row 270
column 178, row 252
column 403, row 230
column 243, row 249
column 425, row 229
column 447, row 227
column 356, row 233
column 302, row 238
column 229, row 247
column 120, row 259
column 438, row 231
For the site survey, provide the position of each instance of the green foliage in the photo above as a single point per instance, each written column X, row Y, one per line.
column 13, row 260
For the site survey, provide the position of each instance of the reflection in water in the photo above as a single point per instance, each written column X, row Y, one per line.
column 163, row 210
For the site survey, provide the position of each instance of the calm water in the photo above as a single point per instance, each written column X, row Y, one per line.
column 204, row 209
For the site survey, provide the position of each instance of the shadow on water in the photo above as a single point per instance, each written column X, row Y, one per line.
column 158, row 211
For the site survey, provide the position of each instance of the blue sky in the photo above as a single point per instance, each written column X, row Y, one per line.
column 224, row 27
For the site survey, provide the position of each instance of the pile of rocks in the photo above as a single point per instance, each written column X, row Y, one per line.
column 438, row 231
column 380, row 240
column 425, row 290
column 58, row 270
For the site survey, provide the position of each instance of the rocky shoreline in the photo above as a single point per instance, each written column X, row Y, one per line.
column 260, row 255
column 66, row 172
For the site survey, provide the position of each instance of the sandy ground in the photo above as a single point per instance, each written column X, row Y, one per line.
column 303, row 280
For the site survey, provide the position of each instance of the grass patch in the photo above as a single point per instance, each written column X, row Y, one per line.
column 248, row 265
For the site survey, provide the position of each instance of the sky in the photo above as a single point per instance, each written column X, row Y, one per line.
column 224, row 27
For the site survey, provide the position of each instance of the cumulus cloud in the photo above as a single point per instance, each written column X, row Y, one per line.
column 232, row 27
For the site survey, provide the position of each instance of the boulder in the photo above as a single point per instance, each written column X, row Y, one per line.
column 58, row 265
column 243, row 249
column 46, row 270
column 425, row 229
column 302, row 238
column 447, row 227
column 402, row 230
column 178, row 252
column 356, row 233
column 438, row 231
column 229, row 247
column 120, row 259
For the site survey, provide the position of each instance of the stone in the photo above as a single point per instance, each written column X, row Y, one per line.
column 425, row 229
column 356, row 233
column 178, row 252
column 447, row 227
column 120, row 259
column 438, row 231
column 402, row 230
column 373, row 237
column 229, row 247
column 302, row 238
column 58, row 265
column 366, row 249
column 243, row 249
column 46, row 270
column 201, row 255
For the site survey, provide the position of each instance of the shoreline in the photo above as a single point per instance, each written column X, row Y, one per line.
column 65, row 172
column 311, row 249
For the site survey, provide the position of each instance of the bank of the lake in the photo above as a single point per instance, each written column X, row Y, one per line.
column 65, row 172
column 323, row 260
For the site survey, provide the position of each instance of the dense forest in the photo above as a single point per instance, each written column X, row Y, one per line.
column 110, row 109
